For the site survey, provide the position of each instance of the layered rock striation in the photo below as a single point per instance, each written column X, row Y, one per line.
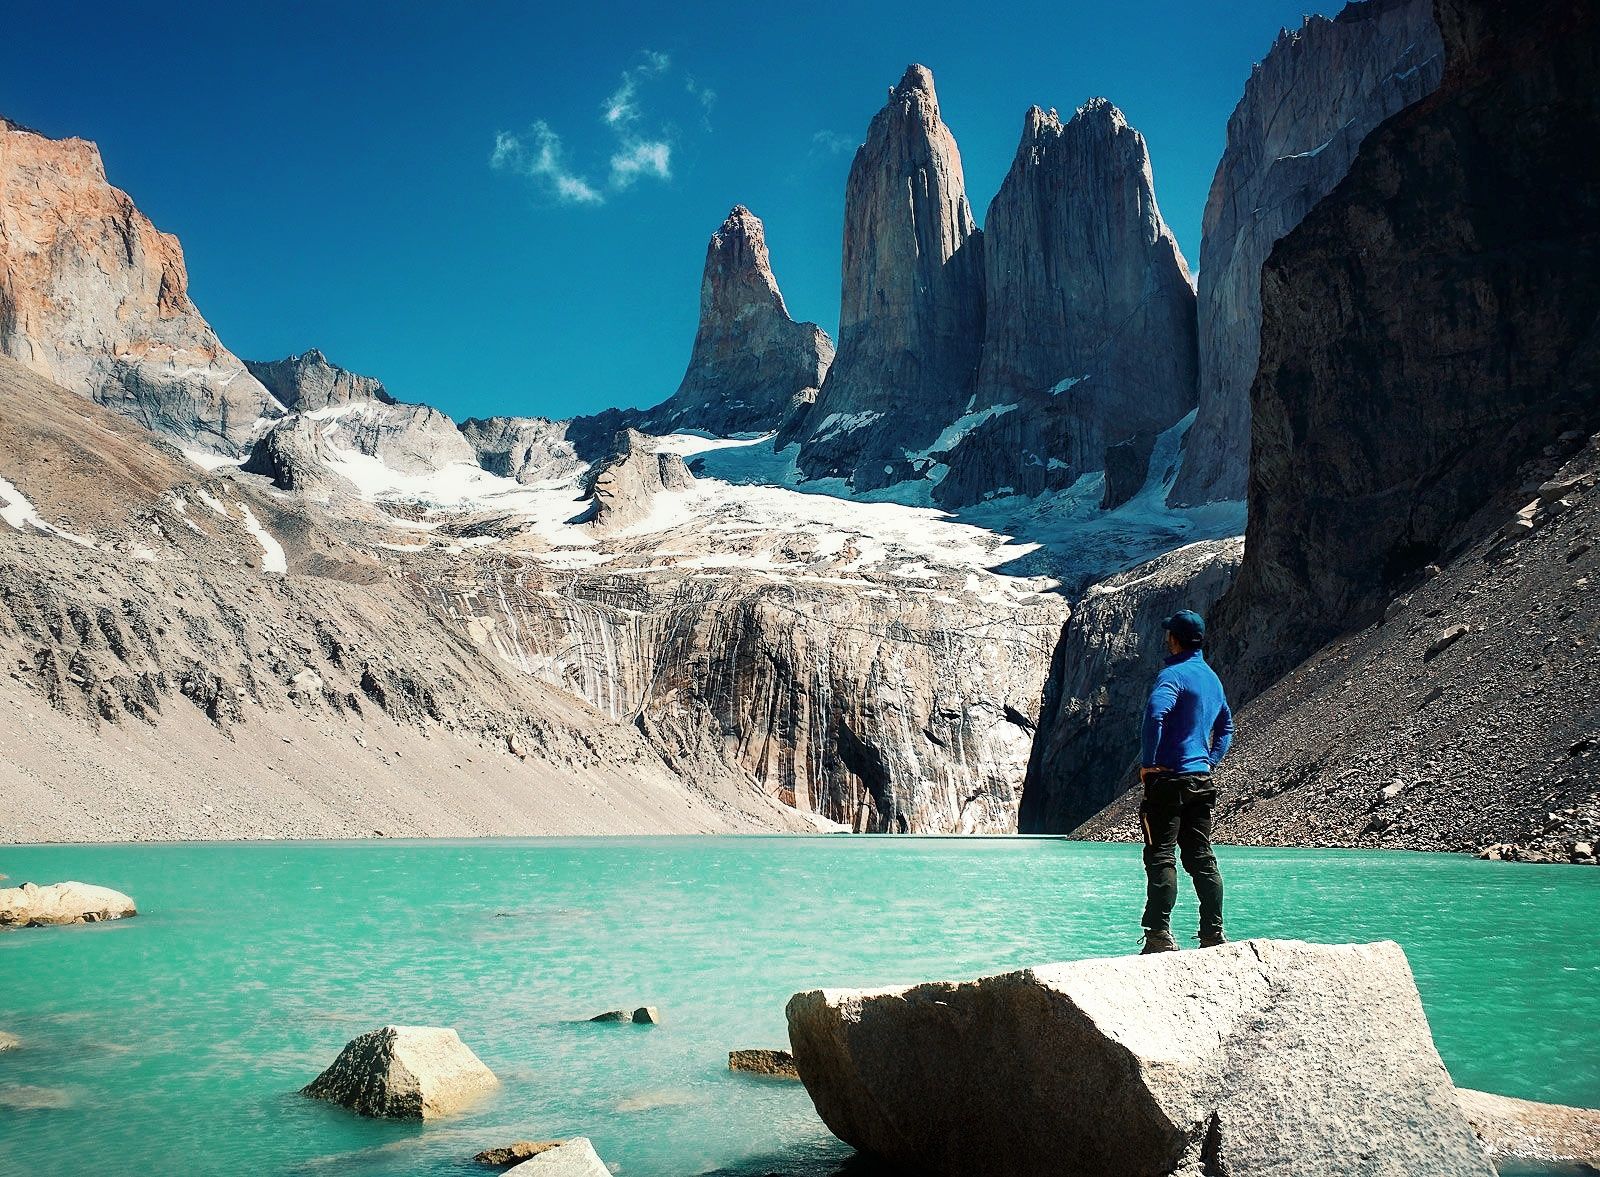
column 1306, row 108
column 1423, row 335
column 96, row 299
column 911, row 307
column 751, row 362
column 1089, row 338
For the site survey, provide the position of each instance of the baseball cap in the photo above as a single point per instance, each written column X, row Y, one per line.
column 1187, row 626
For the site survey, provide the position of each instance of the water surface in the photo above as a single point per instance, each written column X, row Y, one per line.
column 175, row 1042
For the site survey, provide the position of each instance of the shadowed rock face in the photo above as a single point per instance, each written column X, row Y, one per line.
column 309, row 382
column 404, row 1073
column 1428, row 328
column 911, row 311
column 95, row 298
column 1306, row 108
column 1086, row 292
column 621, row 489
column 751, row 361
column 1261, row 1058
column 1110, row 652
column 528, row 449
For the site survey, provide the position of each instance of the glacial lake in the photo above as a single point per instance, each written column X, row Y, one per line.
column 175, row 1042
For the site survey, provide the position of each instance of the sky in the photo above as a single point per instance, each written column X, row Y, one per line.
column 501, row 207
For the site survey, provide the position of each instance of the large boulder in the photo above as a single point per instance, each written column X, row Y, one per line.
column 1535, row 1133
column 32, row 906
column 575, row 1158
column 403, row 1073
column 1265, row 1057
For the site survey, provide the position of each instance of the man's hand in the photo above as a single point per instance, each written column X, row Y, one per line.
column 1146, row 773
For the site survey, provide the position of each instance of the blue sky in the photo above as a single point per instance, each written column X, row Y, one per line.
column 331, row 167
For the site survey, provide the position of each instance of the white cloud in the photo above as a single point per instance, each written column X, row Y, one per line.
column 831, row 143
column 539, row 156
column 641, row 157
column 622, row 108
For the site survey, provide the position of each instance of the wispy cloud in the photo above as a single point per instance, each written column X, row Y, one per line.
column 641, row 157
column 539, row 156
column 638, row 152
column 831, row 143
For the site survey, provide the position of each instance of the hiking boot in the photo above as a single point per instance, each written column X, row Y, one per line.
column 1161, row 941
column 1212, row 939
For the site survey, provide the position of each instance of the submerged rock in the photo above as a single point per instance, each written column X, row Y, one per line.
column 515, row 1153
column 645, row 1015
column 9, row 1041
column 1256, row 1058
column 575, row 1158
column 32, row 906
column 776, row 1064
column 403, row 1073
column 1541, row 1133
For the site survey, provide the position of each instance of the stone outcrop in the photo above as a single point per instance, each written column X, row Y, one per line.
column 299, row 449
column 572, row 1158
column 308, row 382
column 404, row 1073
column 1110, row 651
column 33, row 906
column 1306, row 108
column 95, row 298
column 9, row 1041
column 1265, row 1057
column 622, row 489
column 516, row 1152
column 1090, row 317
column 645, row 1015
column 771, row 1064
column 751, row 362
column 911, row 310
column 1541, row 1135
column 1423, row 337
column 528, row 449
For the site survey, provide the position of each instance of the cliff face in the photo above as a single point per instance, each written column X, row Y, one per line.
column 1306, row 108
column 1090, row 318
column 911, row 310
column 1429, row 327
column 94, row 298
column 751, row 362
column 1110, row 652
column 309, row 382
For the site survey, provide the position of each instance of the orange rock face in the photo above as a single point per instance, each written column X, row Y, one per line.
column 94, row 297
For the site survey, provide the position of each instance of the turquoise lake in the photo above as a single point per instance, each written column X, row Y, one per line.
column 175, row 1043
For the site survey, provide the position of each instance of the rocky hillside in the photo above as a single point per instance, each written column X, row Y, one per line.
column 1306, row 108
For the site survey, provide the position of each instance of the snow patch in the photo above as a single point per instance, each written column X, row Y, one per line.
column 273, row 559
column 16, row 510
column 207, row 460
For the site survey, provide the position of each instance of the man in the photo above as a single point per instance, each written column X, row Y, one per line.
column 1187, row 730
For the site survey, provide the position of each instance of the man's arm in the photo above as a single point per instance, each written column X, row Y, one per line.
column 1221, row 734
column 1162, row 698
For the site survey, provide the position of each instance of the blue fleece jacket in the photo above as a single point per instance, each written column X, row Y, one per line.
column 1187, row 726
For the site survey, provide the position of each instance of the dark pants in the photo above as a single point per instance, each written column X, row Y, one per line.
column 1176, row 817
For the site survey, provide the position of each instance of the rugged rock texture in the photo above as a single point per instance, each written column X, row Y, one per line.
column 1266, row 1057
column 9, row 1041
column 33, row 906
column 1542, row 1135
column 309, row 382
column 571, row 1158
column 1392, row 737
column 1423, row 335
column 295, row 454
column 1110, row 651
column 774, row 1064
column 751, row 362
column 622, row 489
column 1090, row 318
column 404, row 1073
column 528, row 449
column 911, row 311
column 95, row 298
column 514, row 1153
column 1306, row 108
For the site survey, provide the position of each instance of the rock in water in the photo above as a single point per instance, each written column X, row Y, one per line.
column 403, row 1073
column 1089, row 337
column 308, row 382
column 1422, row 338
column 776, row 1064
column 95, row 298
column 9, row 1041
column 1543, row 1134
column 751, row 361
column 1306, row 108
column 911, row 309
column 512, row 1154
column 1266, row 1057
column 32, row 906
column 575, row 1158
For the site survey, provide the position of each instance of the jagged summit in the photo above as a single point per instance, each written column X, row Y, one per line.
column 308, row 382
column 919, row 79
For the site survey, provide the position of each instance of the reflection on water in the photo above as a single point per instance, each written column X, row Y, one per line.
column 177, row 1041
